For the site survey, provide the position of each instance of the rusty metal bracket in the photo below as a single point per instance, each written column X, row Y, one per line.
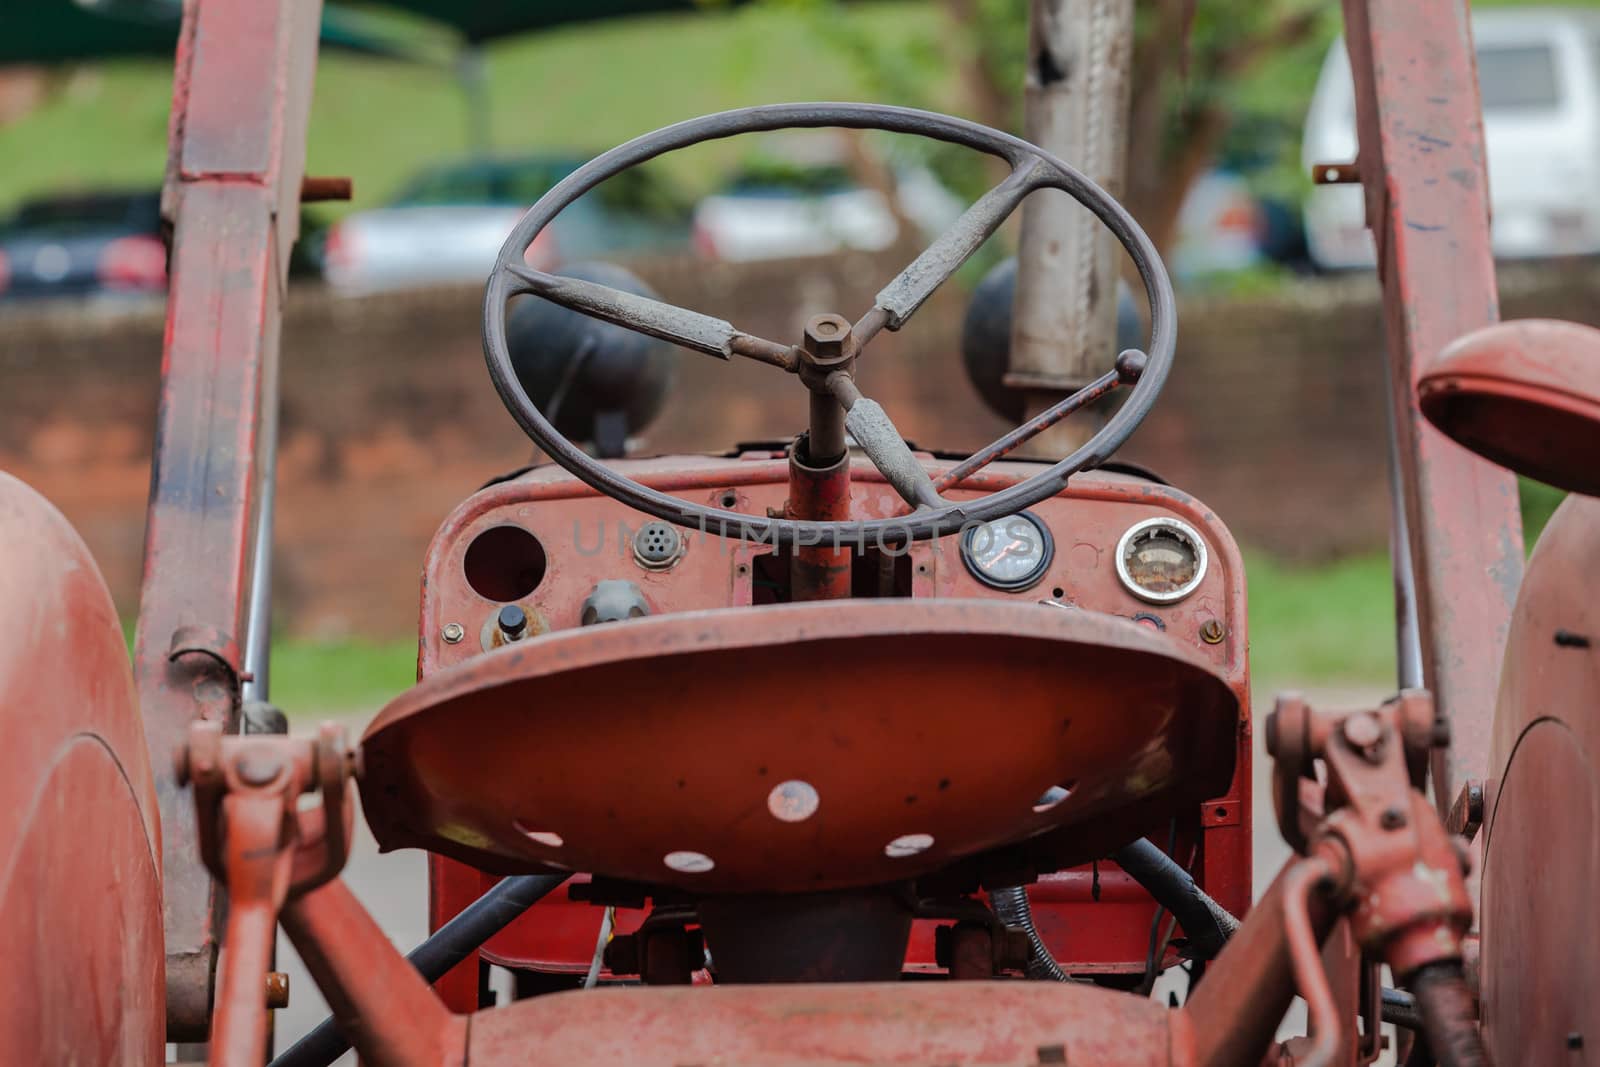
column 254, row 837
column 1466, row 814
column 206, row 641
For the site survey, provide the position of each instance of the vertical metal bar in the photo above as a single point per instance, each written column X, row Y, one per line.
column 1422, row 164
column 236, row 158
column 258, row 629
column 1064, row 318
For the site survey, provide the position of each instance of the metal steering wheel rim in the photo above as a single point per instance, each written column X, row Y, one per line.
column 922, row 524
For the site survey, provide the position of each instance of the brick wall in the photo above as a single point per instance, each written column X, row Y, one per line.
column 1272, row 415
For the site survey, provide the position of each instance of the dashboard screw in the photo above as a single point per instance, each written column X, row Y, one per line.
column 1212, row 632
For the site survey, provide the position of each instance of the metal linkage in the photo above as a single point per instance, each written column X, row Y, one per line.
column 453, row 942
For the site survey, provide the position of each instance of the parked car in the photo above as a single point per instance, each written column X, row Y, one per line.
column 776, row 210
column 449, row 223
column 1539, row 76
column 103, row 242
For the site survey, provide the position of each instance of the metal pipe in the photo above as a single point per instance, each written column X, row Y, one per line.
column 258, row 626
column 825, row 442
column 1235, row 1012
column 449, row 945
column 1407, row 631
column 1075, row 104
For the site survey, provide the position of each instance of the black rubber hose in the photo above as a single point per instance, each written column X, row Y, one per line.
column 1207, row 924
column 1449, row 1016
column 1012, row 907
column 449, row 945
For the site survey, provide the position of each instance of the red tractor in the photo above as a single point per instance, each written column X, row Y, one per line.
column 877, row 757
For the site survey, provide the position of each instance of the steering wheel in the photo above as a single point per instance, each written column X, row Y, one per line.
column 826, row 362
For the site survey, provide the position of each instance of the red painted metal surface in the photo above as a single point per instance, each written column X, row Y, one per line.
column 1525, row 395
column 588, row 541
column 386, row 1010
column 1422, row 162
column 1541, row 975
column 237, row 146
column 265, row 846
column 819, row 572
column 969, row 1023
column 80, row 876
column 707, row 712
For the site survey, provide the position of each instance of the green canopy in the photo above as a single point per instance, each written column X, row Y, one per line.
column 61, row 31
column 58, row 31
column 484, row 20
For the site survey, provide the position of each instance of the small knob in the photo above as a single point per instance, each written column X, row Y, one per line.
column 513, row 622
column 613, row 600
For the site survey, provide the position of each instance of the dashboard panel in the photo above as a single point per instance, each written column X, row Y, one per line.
column 547, row 547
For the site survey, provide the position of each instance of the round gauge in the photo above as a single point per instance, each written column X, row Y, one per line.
column 1161, row 560
column 1010, row 553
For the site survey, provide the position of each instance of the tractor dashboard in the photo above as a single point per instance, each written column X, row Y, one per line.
column 543, row 552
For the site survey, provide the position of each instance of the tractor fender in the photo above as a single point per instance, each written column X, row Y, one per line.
column 80, row 845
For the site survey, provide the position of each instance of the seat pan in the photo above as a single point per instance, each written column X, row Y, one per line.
column 794, row 747
column 1523, row 394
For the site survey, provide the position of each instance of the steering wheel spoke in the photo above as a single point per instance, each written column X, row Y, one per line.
column 876, row 435
column 680, row 326
column 901, row 298
column 830, row 358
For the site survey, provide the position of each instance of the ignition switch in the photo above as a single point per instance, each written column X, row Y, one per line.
column 512, row 622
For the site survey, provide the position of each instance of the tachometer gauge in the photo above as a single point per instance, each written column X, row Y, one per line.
column 1010, row 553
column 1161, row 560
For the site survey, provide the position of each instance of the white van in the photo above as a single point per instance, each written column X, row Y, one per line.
column 1539, row 76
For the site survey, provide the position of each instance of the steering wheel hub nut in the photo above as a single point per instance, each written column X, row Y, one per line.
column 827, row 341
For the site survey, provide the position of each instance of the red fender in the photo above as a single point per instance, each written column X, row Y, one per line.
column 80, row 846
column 1541, row 973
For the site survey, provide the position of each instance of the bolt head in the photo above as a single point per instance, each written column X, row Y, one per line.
column 1212, row 632
column 257, row 768
column 1363, row 731
column 453, row 633
column 1392, row 819
column 826, row 337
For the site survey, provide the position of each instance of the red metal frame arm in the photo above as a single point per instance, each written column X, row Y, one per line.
column 1422, row 164
column 235, row 164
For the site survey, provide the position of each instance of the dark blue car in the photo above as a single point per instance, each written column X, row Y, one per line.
column 107, row 242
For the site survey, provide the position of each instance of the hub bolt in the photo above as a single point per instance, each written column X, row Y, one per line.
column 826, row 336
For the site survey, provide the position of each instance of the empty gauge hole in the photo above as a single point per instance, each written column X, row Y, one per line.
column 687, row 862
column 504, row 563
column 730, row 499
column 908, row 845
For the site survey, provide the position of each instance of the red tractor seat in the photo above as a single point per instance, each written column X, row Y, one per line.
column 1523, row 394
column 798, row 747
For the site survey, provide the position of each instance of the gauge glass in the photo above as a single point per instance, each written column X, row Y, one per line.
column 1010, row 553
column 1161, row 560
